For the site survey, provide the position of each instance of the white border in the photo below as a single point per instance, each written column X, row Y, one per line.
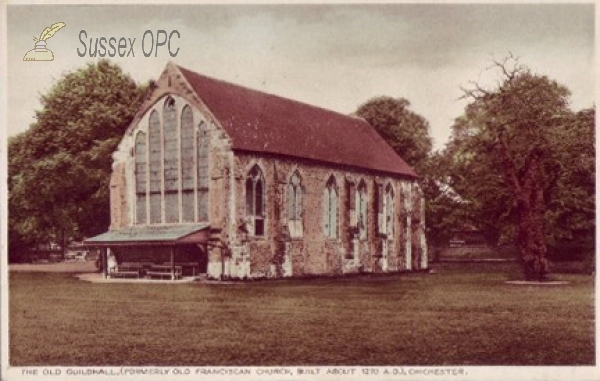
column 195, row 373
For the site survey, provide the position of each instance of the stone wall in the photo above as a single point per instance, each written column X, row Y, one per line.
column 274, row 255
column 119, row 205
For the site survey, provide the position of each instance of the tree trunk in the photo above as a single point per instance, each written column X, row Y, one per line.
column 530, row 230
column 64, row 245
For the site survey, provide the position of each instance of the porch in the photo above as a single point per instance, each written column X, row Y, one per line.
column 153, row 253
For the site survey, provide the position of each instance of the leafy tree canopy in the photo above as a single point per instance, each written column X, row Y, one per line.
column 571, row 209
column 525, row 162
column 404, row 130
column 59, row 169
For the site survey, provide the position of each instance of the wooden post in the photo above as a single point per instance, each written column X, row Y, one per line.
column 172, row 262
column 104, row 254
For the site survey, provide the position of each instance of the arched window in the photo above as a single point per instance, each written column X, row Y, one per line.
column 155, row 165
column 388, row 211
column 141, row 175
column 330, row 212
column 188, row 163
column 202, row 143
column 171, row 167
column 361, row 209
column 294, row 205
column 255, row 201
column 171, row 161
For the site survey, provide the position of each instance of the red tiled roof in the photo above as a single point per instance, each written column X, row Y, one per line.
column 261, row 122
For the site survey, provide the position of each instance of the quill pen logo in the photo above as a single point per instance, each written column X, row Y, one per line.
column 40, row 52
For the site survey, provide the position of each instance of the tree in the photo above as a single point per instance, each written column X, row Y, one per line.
column 408, row 134
column 404, row 130
column 571, row 208
column 510, row 152
column 445, row 209
column 59, row 169
column 469, row 169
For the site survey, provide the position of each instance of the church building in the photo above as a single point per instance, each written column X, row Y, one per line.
column 218, row 179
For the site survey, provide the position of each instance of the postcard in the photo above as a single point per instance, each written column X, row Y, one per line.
column 298, row 191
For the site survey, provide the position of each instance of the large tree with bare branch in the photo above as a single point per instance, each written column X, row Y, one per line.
column 512, row 127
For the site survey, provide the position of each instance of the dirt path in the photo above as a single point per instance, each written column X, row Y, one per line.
column 60, row 267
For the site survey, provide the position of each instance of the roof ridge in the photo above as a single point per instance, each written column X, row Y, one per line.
column 258, row 121
column 351, row 115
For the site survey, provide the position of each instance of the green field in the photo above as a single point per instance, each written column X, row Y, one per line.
column 461, row 315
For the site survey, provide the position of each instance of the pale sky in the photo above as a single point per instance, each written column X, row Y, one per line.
column 332, row 56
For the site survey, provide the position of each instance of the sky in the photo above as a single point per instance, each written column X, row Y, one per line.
column 330, row 55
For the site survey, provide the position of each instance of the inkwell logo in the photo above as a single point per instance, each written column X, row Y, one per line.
column 40, row 52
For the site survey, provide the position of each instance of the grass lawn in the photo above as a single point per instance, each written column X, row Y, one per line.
column 462, row 315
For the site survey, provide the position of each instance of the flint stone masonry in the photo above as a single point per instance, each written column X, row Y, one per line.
column 282, row 250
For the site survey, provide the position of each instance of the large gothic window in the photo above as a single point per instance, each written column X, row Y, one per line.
column 294, row 205
column 155, row 166
column 188, row 163
column 255, row 201
column 202, row 172
column 361, row 209
column 330, row 207
column 171, row 167
column 141, row 169
column 171, row 161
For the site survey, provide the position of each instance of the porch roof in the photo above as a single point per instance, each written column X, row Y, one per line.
column 152, row 235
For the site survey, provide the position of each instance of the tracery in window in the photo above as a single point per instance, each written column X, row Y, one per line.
column 188, row 162
column 171, row 161
column 361, row 209
column 330, row 207
column 255, row 197
column 202, row 143
column 155, row 167
column 388, row 211
column 171, row 168
column 141, row 173
column 294, row 205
